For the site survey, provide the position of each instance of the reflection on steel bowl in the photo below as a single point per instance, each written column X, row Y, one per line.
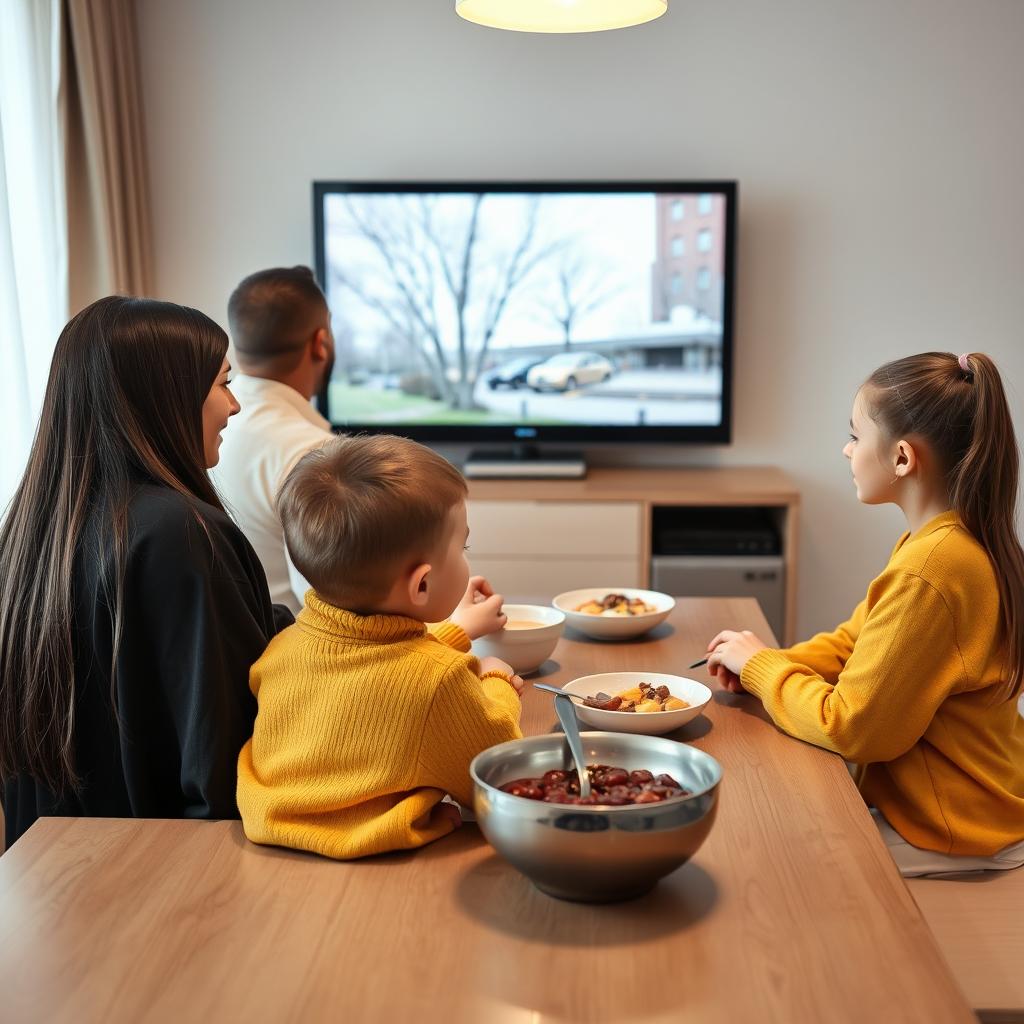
column 595, row 854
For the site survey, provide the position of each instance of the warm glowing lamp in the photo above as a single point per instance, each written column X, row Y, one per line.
column 560, row 15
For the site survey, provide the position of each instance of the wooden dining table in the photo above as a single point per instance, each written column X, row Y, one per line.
column 792, row 910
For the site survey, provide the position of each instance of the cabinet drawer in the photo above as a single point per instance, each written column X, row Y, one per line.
column 533, row 581
column 580, row 528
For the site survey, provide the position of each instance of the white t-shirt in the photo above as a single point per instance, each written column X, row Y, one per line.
column 275, row 428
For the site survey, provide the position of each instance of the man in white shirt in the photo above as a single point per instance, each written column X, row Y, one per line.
column 281, row 332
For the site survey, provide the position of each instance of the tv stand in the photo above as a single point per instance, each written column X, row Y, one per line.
column 535, row 539
column 524, row 461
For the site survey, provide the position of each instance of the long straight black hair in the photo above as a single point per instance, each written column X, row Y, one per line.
column 123, row 404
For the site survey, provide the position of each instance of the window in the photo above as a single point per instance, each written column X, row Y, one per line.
column 33, row 231
column 703, row 279
column 677, row 283
column 677, row 209
column 704, row 240
column 678, row 246
column 704, row 203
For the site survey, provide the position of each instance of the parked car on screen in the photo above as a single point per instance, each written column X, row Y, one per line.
column 570, row 370
column 512, row 374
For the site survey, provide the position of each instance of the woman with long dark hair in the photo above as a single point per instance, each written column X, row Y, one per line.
column 131, row 607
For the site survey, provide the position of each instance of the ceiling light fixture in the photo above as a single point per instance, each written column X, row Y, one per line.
column 560, row 15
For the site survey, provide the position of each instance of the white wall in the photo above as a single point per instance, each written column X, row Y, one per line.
column 878, row 147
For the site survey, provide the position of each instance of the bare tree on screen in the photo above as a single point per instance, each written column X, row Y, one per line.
column 447, row 285
column 580, row 288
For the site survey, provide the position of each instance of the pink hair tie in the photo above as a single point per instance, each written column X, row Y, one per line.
column 963, row 362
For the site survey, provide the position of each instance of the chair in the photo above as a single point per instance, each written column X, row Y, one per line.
column 978, row 922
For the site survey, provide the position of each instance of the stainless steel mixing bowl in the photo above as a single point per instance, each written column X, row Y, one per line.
column 595, row 854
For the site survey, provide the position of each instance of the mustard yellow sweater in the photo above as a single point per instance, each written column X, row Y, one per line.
column 909, row 689
column 364, row 723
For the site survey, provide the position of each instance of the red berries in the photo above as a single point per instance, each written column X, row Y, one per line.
column 610, row 787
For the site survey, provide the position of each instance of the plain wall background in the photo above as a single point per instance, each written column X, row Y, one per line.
column 878, row 147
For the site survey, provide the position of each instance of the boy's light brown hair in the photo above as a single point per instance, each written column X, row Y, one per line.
column 358, row 510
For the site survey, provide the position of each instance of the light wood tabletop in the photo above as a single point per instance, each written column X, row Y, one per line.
column 792, row 911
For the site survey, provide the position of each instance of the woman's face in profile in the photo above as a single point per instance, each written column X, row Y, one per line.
column 219, row 406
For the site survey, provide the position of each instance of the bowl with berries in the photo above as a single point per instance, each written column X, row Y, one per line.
column 652, row 803
column 648, row 703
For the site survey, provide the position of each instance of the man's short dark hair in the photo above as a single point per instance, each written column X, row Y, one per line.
column 273, row 312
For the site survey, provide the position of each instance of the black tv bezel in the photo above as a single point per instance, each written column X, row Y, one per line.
column 544, row 434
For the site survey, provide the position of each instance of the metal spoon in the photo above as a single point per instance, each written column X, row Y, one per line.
column 556, row 690
column 567, row 716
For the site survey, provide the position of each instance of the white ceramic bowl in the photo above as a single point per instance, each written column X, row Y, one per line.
column 524, row 649
column 613, row 627
column 653, row 723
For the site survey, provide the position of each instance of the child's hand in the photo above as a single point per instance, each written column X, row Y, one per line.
column 729, row 652
column 729, row 681
column 479, row 612
column 497, row 665
column 449, row 812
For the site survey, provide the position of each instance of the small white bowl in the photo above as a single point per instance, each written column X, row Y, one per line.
column 613, row 627
column 648, row 723
column 524, row 649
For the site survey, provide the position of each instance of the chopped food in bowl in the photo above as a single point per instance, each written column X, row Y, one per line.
column 614, row 613
column 616, row 604
column 641, row 699
column 646, row 691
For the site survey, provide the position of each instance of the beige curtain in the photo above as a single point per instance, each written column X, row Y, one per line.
column 100, row 107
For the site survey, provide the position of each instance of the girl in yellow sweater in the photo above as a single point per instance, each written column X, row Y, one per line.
column 919, row 687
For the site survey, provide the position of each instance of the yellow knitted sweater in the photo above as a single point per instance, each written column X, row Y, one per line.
column 911, row 688
column 364, row 723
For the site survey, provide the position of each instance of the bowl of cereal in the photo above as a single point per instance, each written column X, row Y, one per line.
column 646, row 703
column 652, row 806
column 528, row 638
column 605, row 613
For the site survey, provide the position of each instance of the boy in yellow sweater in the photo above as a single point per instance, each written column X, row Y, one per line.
column 366, row 720
column 919, row 687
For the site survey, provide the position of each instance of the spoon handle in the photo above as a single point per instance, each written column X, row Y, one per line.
column 555, row 690
column 567, row 716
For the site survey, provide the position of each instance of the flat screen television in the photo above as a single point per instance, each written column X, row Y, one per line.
column 583, row 312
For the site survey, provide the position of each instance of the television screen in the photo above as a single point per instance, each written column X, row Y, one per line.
column 548, row 311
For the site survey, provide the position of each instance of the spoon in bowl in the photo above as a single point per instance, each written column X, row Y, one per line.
column 557, row 691
column 567, row 716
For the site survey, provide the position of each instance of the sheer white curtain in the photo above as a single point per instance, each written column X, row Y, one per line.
column 33, row 230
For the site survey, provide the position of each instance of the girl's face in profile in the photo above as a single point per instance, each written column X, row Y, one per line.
column 873, row 472
column 219, row 406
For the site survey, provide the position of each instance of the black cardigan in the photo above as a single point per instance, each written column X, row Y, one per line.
column 197, row 614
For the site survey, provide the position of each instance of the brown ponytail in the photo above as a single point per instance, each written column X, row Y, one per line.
column 959, row 407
